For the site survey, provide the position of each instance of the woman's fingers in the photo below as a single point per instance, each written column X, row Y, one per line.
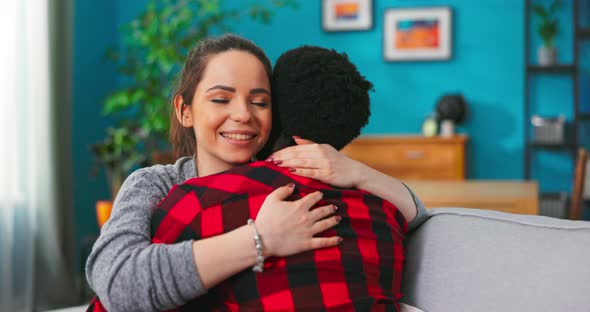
column 325, row 224
column 322, row 212
column 309, row 200
column 324, row 242
column 301, row 141
column 288, row 227
column 309, row 163
column 281, row 193
column 298, row 151
column 317, row 174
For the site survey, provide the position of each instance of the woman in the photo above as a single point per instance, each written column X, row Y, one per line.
column 223, row 105
column 223, row 117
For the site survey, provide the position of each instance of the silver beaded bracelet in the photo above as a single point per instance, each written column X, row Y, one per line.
column 259, row 267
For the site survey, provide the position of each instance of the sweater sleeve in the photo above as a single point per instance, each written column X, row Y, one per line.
column 126, row 271
column 421, row 215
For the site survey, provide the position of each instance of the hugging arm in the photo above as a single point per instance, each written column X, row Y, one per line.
column 125, row 270
column 286, row 228
column 324, row 163
column 128, row 273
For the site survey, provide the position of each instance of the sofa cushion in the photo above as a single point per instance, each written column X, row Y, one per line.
column 480, row 260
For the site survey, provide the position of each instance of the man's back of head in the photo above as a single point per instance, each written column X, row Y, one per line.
column 319, row 95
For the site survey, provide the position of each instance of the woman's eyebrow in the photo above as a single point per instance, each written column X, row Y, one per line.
column 222, row 87
column 259, row 90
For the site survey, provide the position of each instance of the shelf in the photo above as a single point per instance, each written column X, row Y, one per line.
column 556, row 194
column 566, row 69
column 553, row 204
column 552, row 69
column 550, row 146
column 584, row 33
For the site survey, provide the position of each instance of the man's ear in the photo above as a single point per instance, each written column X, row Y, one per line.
column 183, row 112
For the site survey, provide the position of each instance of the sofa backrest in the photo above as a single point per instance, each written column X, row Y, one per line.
column 480, row 260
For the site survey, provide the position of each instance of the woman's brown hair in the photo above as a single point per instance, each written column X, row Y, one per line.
column 183, row 139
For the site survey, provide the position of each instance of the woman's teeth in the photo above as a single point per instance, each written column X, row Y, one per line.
column 237, row 136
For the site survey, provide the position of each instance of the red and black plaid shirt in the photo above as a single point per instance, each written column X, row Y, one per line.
column 363, row 273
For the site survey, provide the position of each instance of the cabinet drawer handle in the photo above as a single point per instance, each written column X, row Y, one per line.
column 415, row 154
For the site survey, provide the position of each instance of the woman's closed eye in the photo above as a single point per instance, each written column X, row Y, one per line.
column 220, row 100
column 260, row 103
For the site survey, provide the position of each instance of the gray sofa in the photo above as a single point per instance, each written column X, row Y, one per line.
column 479, row 260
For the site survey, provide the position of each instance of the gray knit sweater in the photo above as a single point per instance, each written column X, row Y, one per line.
column 126, row 271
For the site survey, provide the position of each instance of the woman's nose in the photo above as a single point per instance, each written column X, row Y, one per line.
column 241, row 112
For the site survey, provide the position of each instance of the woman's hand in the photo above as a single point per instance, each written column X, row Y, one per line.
column 287, row 228
column 321, row 162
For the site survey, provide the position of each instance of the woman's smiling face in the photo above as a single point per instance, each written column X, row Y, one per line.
column 230, row 112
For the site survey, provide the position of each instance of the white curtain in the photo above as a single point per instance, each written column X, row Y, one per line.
column 34, row 270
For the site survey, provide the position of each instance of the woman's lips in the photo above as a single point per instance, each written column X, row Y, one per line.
column 238, row 136
column 241, row 138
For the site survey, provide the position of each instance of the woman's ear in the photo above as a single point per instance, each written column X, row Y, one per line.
column 183, row 112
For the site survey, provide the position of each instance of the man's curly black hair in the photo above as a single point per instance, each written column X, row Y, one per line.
column 319, row 95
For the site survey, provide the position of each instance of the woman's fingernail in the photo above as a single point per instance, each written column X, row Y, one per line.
column 334, row 207
column 291, row 185
column 269, row 159
column 338, row 218
column 292, row 169
column 340, row 239
column 278, row 162
column 296, row 137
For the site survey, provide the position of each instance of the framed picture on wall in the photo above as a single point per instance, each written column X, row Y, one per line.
column 347, row 15
column 417, row 34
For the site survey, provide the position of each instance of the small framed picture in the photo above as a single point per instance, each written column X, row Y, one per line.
column 347, row 15
column 417, row 34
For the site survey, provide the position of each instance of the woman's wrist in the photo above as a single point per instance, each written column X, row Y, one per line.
column 391, row 189
column 259, row 267
column 248, row 234
column 265, row 238
column 236, row 248
column 364, row 175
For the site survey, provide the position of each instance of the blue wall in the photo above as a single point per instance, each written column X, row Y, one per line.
column 487, row 66
column 94, row 30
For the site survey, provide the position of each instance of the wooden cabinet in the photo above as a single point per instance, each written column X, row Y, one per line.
column 519, row 197
column 412, row 157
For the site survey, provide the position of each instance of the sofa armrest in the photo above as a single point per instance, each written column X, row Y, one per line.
column 481, row 260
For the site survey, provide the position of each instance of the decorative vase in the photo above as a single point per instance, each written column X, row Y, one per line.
column 103, row 211
column 547, row 55
column 447, row 128
column 429, row 127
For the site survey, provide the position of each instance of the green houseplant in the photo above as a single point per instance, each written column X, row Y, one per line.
column 154, row 46
column 547, row 29
column 118, row 153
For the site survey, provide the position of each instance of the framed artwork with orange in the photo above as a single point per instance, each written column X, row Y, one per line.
column 417, row 34
column 347, row 15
